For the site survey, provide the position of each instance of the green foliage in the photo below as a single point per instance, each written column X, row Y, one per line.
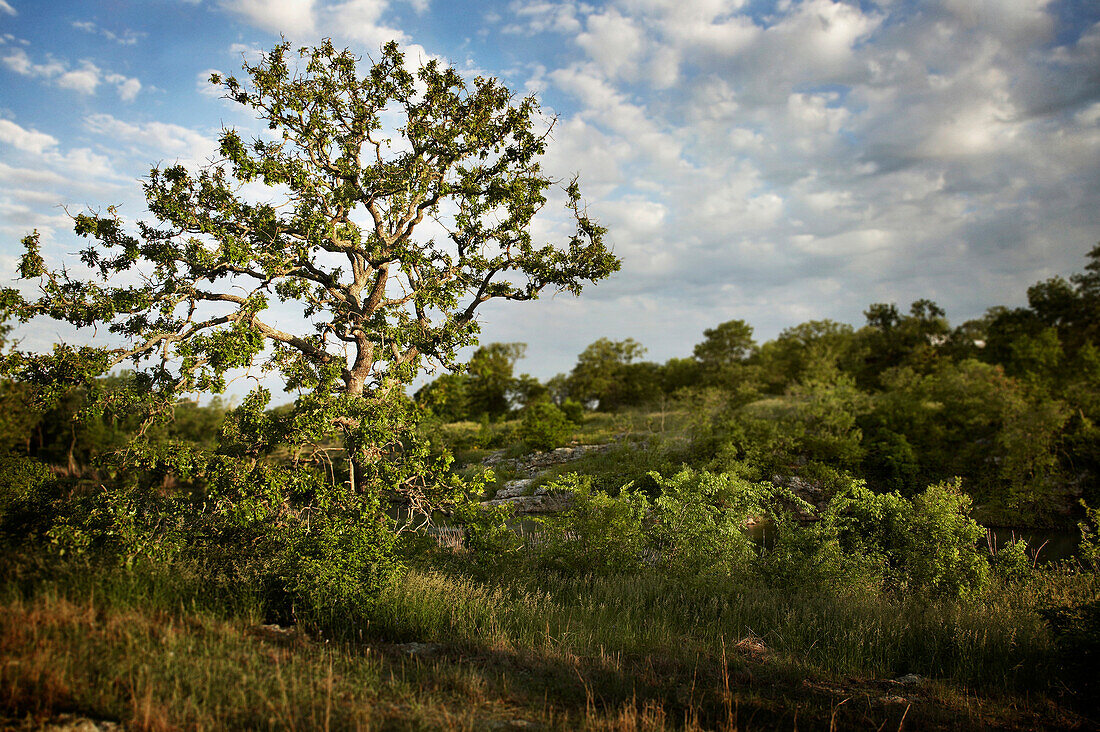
column 1089, row 549
column 891, row 339
column 804, row 351
column 699, row 517
column 445, row 397
column 596, row 534
column 724, row 350
column 967, row 419
column 333, row 564
column 545, row 427
column 929, row 543
column 600, row 375
column 1012, row 561
column 491, row 383
column 573, row 411
column 815, row 422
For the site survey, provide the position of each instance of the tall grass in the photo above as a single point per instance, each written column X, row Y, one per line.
column 997, row 641
column 168, row 648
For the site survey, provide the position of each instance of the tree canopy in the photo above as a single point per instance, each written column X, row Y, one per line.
column 189, row 296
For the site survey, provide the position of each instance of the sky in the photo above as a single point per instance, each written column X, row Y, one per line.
column 775, row 161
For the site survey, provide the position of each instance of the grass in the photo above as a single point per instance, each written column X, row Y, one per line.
column 500, row 644
column 156, row 649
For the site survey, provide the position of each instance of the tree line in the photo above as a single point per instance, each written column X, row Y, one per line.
column 1008, row 401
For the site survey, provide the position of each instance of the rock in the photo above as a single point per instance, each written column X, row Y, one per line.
column 515, row 724
column 909, row 680
column 542, row 503
column 280, row 633
column 514, row 488
column 752, row 646
column 418, row 649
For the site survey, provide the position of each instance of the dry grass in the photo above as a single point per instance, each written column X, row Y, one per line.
column 111, row 645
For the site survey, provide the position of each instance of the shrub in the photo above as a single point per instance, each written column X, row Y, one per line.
column 929, row 543
column 1089, row 549
column 545, row 427
column 1012, row 561
column 491, row 545
column 597, row 534
column 698, row 518
column 573, row 411
column 333, row 566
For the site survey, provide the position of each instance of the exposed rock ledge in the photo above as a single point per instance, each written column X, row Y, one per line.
column 518, row 492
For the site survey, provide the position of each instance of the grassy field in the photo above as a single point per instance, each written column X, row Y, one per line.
column 159, row 649
column 501, row 642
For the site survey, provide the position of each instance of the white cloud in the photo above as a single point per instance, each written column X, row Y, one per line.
column 19, row 62
column 614, row 42
column 203, row 85
column 83, row 80
column 160, row 138
column 127, row 88
column 360, row 21
column 828, row 155
column 6, row 8
column 27, row 140
column 125, row 38
column 541, row 17
column 292, row 17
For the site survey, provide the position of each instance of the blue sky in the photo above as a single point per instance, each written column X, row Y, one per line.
column 774, row 161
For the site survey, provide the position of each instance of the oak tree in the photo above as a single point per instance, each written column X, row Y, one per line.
column 397, row 204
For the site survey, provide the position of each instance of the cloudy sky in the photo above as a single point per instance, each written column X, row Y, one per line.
column 773, row 160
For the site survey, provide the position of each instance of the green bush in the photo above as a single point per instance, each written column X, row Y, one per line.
column 597, row 534
column 1012, row 561
column 573, row 411
column 927, row 544
column 335, row 564
column 1089, row 550
column 491, row 546
column 545, row 427
column 698, row 519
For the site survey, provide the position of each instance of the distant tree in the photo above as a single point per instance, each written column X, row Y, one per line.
column 598, row 376
column 813, row 348
column 678, row 373
column 890, row 339
column 528, row 391
column 557, row 387
column 446, row 397
column 491, row 384
column 724, row 348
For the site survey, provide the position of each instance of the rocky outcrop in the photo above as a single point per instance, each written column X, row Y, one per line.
column 519, row 494
column 540, row 501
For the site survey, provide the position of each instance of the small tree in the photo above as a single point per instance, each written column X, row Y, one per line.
column 598, row 375
column 189, row 295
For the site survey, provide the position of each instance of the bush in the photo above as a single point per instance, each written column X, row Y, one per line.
column 333, row 566
column 597, row 534
column 491, row 545
column 929, row 543
column 1089, row 549
column 698, row 519
column 573, row 411
column 545, row 427
column 1012, row 561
